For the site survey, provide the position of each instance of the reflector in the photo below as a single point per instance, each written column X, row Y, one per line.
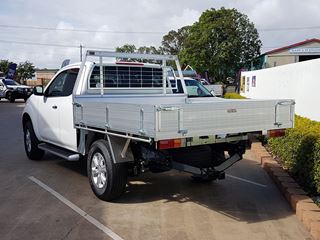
column 170, row 143
column 276, row 133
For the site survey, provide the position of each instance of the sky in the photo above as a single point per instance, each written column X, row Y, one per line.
column 140, row 22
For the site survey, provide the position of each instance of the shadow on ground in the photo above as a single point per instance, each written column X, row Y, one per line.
column 237, row 200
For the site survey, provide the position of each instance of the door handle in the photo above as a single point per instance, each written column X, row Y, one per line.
column 54, row 107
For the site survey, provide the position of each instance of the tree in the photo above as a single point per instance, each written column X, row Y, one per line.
column 128, row 48
column 150, row 50
column 25, row 70
column 4, row 66
column 173, row 42
column 221, row 42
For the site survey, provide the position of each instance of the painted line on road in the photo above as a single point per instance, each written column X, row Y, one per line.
column 82, row 213
column 247, row 181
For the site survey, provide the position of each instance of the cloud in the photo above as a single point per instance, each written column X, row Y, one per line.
column 159, row 16
column 187, row 17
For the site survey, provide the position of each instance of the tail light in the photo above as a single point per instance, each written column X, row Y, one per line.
column 276, row 133
column 169, row 143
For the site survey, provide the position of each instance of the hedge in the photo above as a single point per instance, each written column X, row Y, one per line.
column 299, row 152
column 233, row 96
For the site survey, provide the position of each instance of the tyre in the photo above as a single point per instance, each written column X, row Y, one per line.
column 107, row 179
column 10, row 97
column 31, row 143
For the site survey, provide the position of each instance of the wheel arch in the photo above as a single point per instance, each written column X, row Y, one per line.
column 25, row 118
column 116, row 146
column 91, row 138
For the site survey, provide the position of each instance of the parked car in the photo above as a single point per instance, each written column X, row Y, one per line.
column 215, row 89
column 194, row 88
column 12, row 90
column 204, row 81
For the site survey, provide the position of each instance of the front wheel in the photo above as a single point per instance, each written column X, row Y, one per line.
column 31, row 143
column 107, row 179
column 10, row 97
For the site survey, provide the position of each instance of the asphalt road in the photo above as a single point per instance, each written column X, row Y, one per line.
column 246, row 205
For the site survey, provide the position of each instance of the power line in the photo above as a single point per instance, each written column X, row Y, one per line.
column 78, row 30
column 287, row 29
column 38, row 44
column 52, row 44
column 78, row 46
column 140, row 32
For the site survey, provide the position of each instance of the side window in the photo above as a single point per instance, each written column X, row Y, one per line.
column 178, row 88
column 70, row 81
column 63, row 84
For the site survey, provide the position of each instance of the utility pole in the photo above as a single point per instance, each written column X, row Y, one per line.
column 81, row 53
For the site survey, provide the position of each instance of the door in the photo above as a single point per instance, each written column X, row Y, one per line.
column 56, row 112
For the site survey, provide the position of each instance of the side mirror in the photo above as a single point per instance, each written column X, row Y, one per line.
column 38, row 90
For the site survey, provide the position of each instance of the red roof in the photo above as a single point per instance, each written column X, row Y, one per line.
column 293, row 45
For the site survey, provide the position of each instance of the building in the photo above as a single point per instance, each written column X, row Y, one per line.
column 42, row 77
column 298, row 52
column 298, row 81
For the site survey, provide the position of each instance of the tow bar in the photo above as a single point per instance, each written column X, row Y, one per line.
column 211, row 173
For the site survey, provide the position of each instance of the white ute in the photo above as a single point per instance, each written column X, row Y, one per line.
column 123, row 118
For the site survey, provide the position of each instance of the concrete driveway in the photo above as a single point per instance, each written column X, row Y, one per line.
column 247, row 205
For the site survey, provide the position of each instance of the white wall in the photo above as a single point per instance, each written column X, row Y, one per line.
column 298, row 81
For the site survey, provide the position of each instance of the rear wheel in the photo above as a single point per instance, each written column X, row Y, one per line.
column 31, row 143
column 107, row 179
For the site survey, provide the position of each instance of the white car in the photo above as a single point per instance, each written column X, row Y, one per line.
column 124, row 117
column 194, row 88
column 11, row 90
